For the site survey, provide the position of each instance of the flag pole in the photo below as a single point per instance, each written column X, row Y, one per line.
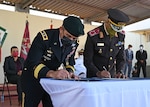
column 51, row 26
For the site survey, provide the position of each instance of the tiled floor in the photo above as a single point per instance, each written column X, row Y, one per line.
column 14, row 98
column 6, row 102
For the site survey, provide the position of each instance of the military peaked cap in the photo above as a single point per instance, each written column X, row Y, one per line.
column 117, row 16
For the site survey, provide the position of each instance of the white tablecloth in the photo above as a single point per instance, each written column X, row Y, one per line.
column 107, row 93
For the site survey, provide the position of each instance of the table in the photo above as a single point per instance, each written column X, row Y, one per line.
column 103, row 93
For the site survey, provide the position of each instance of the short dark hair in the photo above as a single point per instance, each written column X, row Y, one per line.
column 130, row 45
column 13, row 48
column 141, row 45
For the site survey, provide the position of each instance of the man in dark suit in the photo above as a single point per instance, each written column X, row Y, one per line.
column 105, row 46
column 129, row 58
column 13, row 66
column 50, row 49
column 141, row 56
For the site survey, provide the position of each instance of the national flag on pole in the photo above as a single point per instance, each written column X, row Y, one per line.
column 3, row 34
column 25, row 46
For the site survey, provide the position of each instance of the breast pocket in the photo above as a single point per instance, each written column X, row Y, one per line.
column 100, row 50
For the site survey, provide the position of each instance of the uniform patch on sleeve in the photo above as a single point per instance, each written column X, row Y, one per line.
column 94, row 32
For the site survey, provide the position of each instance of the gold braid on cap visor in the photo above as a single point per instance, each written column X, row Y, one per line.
column 120, row 24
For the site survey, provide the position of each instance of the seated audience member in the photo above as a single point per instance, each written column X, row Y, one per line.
column 13, row 68
column 80, row 69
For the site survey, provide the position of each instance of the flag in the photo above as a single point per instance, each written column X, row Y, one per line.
column 25, row 46
column 3, row 34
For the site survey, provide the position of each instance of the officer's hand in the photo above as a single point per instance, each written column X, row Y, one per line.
column 19, row 73
column 141, row 61
column 72, row 75
column 103, row 74
column 59, row 74
column 120, row 75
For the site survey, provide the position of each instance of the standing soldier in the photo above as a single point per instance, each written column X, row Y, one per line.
column 104, row 48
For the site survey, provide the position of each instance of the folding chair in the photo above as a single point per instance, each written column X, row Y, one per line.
column 6, row 83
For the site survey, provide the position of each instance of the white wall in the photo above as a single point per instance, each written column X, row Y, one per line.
column 14, row 22
column 135, row 40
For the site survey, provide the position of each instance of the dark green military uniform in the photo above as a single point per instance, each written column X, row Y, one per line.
column 102, row 51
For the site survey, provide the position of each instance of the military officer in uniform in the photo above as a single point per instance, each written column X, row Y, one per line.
column 50, row 49
column 104, row 48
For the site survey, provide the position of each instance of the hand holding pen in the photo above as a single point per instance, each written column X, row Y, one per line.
column 104, row 73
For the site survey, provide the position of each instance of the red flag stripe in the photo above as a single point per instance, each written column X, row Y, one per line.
column 25, row 46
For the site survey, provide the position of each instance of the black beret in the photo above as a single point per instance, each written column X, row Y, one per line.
column 74, row 26
column 117, row 16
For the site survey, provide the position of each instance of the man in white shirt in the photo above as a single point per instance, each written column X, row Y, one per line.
column 80, row 69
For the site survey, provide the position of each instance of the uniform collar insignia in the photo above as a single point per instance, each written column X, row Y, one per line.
column 94, row 32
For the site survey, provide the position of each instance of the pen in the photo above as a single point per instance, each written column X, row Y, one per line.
column 104, row 68
column 108, row 75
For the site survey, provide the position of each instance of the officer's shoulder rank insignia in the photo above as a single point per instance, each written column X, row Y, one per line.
column 94, row 32
column 44, row 35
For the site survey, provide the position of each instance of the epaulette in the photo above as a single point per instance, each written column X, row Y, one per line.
column 94, row 32
column 44, row 35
